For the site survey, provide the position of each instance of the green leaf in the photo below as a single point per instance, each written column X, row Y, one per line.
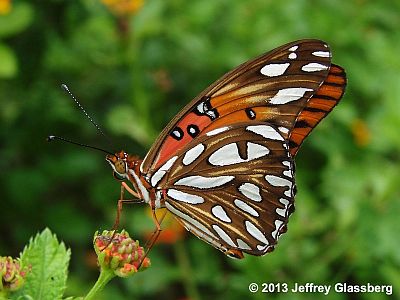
column 9, row 64
column 48, row 260
column 18, row 19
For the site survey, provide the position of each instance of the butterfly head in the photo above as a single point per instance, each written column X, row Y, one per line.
column 119, row 163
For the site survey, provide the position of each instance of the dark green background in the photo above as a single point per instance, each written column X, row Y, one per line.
column 134, row 74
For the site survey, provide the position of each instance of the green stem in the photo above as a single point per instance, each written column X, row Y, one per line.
column 104, row 277
column 187, row 272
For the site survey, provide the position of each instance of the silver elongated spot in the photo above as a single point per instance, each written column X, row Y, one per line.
column 255, row 151
column 201, row 182
column 278, row 181
column 321, row 53
column 217, row 131
column 273, row 70
column 245, row 207
column 289, row 95
column 223, row 235
column 219, row 212
column 283, row 129
column 192, row 154
column 242, row 245
column 229, row 154
column 251, row 191
column 160, row 173
column 265, row 131
column 314, row 67
column 184, row 197
column 255, row 232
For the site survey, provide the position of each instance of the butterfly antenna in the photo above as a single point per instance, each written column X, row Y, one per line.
column 65, row 88
column 51, row 138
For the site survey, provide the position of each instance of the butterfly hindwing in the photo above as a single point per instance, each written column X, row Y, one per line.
column 233, row 187
column 274, row 88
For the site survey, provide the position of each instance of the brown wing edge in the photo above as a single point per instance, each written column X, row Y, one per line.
column 319, row 105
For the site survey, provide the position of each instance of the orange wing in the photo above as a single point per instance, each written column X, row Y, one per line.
column 326, row 98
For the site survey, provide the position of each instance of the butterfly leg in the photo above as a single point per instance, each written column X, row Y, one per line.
column 154, row 236
column 121, row 201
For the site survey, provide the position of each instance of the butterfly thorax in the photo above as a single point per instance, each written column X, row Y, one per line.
column 126, row 167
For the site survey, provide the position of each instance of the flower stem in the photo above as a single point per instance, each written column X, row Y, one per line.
column 104, row 277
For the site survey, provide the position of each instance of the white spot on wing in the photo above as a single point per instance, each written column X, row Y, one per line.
column 322, row 53
column 273, row 70
column 284, row 202
column 242, row 245
column 157, row 176
column 262, row 247
column 245, row 207
column 278, row 181
column 219, row 212
column 293, row 48
column 288, row 172
column 226, row 155
column 189, row 219
column 201, row 182
column 223, row 235
column 217, row 130
column 255, row 232
column 229, row 154
column 251, row 191
column 281, row 211
column 255, row 151
column 288, row 95
column 283, row 129
column 292, row 56
column 177, row 133
column 314, row 67
column 278, row 224
column 192, row 154
column 266, row 131
column 184, row 197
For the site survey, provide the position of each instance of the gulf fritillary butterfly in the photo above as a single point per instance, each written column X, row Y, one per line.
column 224, row 166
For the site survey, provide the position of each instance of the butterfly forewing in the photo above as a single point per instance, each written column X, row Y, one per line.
column 274, row 88
column 233, row 187
column 321, row 103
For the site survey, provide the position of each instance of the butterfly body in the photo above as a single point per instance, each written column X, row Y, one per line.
column 224, row 166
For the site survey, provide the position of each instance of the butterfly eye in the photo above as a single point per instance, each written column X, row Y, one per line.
column 118, row 176
column 120, row 166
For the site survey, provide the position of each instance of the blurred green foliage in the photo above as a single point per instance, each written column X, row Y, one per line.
column 133, row 72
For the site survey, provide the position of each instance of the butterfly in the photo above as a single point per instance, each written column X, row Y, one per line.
column 224, row 166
